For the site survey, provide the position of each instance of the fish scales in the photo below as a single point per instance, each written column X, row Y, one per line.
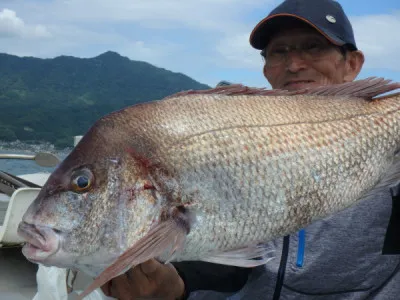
column 211, row 174
column 256, row 178
column 238, row 153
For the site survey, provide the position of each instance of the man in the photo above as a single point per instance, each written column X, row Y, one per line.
column 304, row 44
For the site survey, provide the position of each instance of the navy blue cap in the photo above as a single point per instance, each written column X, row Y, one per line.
column 326, row 16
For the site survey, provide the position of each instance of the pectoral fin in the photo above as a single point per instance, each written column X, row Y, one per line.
column 247, row 257
column 169, row 236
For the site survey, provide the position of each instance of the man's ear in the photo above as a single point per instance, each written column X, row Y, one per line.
column 354, row 62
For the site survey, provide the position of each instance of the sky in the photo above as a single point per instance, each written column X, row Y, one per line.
column 207, row 40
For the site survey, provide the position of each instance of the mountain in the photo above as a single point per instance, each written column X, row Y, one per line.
column 54, row 99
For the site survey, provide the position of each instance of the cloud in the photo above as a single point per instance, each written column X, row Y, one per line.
column 76, row 41
column 175, row 34
column 205, row 39
column 157, row 52
column 13, row 26
column 218, row 15
column 235, row 52
column 377, row 37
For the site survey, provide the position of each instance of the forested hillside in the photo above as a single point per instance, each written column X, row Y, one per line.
column 55, row 99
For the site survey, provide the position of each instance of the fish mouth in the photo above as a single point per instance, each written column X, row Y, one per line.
column 41, row 241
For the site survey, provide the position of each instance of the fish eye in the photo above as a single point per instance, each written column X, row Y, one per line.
column 82, row 181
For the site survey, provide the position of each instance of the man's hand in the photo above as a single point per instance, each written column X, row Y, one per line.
column 150, row 279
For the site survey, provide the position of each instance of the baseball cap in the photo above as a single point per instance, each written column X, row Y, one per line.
column 326, row 16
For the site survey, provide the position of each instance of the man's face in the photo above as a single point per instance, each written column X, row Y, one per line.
column 320, row 63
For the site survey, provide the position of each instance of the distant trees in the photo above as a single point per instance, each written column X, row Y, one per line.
column 54, row 99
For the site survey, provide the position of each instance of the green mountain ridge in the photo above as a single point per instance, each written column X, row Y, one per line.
column 54, row 99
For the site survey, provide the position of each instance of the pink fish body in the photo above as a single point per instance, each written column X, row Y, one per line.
column 212, row 175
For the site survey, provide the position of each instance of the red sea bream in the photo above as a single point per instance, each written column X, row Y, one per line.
column 210, row 175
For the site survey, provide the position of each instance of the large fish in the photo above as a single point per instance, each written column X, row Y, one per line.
column 211, row 175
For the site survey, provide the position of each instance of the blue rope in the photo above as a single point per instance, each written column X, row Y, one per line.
column 301, row 247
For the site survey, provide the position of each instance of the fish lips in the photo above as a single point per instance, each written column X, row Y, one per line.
column 41, row 241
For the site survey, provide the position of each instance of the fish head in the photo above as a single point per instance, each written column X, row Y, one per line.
column 92, row 207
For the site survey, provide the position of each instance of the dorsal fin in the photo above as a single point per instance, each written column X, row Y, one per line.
column 364, row 88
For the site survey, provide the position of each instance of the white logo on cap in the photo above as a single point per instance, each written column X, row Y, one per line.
column 331, row 18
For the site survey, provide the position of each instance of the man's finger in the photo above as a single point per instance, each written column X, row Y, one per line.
column 122, row 289
column 150, row 267
column 106, row 288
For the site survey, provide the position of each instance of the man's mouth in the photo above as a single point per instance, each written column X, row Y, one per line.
column 41, row 241
column 297, row 83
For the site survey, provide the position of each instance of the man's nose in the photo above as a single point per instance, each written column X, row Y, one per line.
column 294, row 62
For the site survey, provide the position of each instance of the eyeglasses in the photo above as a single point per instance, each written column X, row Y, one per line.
column 308, row 50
